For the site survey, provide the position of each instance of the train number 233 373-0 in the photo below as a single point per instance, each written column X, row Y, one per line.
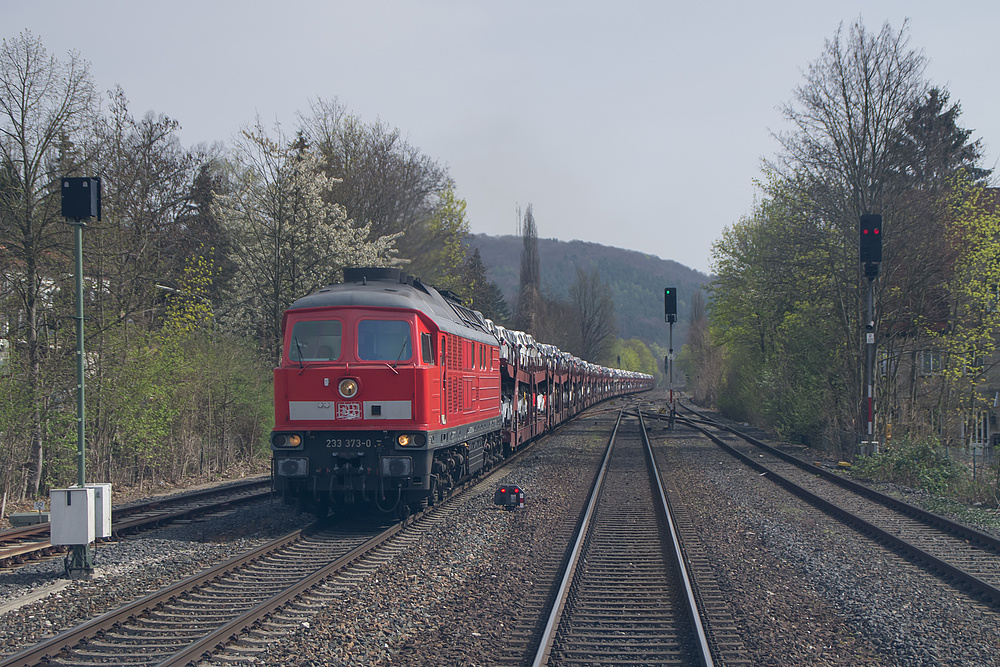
column 344, row 443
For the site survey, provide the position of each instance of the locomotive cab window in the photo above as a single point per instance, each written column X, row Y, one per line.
column 315, row 341
column 426, row 349
column 384, row 340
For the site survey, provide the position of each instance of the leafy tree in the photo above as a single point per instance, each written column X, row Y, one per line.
column 770, row 308
column 792, row 268
column 935, row 165
column 635, row 356
column 970, row 342
column 436, row 249
column 287, row 239
column 45, row 104
column 869, row 137
column 838, row 164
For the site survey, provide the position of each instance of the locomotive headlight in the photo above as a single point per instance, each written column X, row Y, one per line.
column 411, row 440
column 348, row 388
column 285, row 440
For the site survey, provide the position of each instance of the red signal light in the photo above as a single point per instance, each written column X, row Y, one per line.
column 871, row 243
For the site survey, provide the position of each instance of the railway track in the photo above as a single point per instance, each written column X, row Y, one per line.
column 626, row 596
column 965, row 557
column 22, row 545
column 234, row 611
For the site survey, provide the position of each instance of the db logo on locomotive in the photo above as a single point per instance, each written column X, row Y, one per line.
column 348, row 411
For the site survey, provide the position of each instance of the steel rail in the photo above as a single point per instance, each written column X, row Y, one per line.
column 50, row 648
column 936, row 520
column 548, row 635
column 681, row 562
column 912, row 551
column 203, row 648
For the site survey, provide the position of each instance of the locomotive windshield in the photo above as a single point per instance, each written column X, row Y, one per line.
column 384, row 340
column 315, row 341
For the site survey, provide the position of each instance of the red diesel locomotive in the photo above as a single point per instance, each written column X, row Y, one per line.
column 389, row 393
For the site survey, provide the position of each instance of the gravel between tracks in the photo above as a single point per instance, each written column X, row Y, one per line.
column 805, row 589
column 808, row 590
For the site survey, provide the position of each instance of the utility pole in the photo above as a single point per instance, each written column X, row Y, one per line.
column 870, row 252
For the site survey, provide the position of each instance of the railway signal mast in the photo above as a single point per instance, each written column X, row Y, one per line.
column 76, row 525
column 870, row 250
column 670, row 315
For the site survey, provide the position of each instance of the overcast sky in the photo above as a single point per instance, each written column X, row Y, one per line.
column 640, row 125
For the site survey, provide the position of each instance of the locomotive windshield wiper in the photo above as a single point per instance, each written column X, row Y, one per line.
column 400, row 355
column 298, row 347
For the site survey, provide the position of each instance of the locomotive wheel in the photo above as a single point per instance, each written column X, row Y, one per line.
column 420, row 504
column 323, row 509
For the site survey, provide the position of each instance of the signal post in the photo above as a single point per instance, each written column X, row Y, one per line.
column 670, row 315
column 77, row 525
column 870, row 252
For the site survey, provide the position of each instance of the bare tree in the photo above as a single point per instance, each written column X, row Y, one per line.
column 701, row 357
column 383, row 181
column 45, row 104
column 838, row 163
column 591, row 297
column 847, row 116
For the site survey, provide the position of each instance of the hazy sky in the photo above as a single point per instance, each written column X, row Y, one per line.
column 640, row 125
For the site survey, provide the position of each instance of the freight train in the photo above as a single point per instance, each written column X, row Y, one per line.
column 390, row 393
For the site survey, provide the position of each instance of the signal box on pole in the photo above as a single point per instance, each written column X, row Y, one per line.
column 670, row 304
column 871, row 238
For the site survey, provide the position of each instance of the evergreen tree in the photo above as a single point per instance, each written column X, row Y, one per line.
column 481, row 294
column 529, row 298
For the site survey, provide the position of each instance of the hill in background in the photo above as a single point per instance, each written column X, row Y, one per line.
column 635, row 278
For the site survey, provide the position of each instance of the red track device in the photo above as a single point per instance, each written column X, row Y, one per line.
column 510, row 496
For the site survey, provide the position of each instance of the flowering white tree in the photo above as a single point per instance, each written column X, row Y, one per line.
column 288, row 238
